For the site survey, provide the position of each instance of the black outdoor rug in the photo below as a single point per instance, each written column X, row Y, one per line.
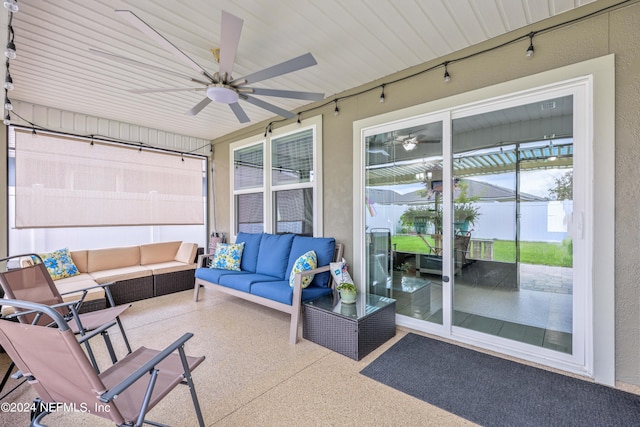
column 491, row 391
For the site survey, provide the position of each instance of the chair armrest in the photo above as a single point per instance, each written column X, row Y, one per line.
column 202, row 258
column 144, row 369
column 54, row 306
column 88, row 288
column 95, row 332
column 84, row 291
column 33, row 307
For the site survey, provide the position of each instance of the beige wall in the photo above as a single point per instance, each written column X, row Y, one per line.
column 611, row 32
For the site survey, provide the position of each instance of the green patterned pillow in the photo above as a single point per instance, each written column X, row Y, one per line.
column 59, row 264
column 308, row 261
column 228, row 256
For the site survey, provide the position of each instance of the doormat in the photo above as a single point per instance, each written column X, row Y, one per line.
column 492, row 391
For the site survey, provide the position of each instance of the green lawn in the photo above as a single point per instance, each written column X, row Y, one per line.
column 542, row 253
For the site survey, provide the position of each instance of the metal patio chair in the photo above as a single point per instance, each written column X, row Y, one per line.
column 139, row 381
column 33, row 283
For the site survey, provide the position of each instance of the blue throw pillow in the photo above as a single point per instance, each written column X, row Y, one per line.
column 228, row 256
column 59, row 264
column 306, row 262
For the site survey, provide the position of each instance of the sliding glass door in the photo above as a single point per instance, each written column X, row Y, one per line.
column 469, row 223
column 513, row 202
column 403, row 219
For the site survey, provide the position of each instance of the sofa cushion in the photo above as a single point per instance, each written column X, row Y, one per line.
column 305, row 262
column 280, row 291
column 186, row 253
column 228, row 256
column 251, row 248
column 59, row 263
column 274, row 255
column 170, row 267
column 119, row 274
column 213, row 274
column 242, row 282
column 80, row 260
column 154, row 253
column 324, row 248
column 78, row 283
column 107, row 259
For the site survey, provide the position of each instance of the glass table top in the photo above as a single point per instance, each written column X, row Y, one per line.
column 364, row 305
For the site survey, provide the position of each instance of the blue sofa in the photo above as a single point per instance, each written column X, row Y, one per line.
column 265, row 267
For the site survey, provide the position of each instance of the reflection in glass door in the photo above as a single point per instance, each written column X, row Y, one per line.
column 512, row 208
column 403, row 217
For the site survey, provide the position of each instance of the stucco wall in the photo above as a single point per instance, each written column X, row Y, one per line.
column 611, row 32
column 624, row 40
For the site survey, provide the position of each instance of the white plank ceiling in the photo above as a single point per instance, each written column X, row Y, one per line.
column 354, row 42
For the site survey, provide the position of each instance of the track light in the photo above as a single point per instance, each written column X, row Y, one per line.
column 336, row 111
column 299, row 121
column 7, row 119
column 11, row 50
column 447, row 76
column 11, row 5
column 7, row 104
column 34, row 134
column 382, row 94
column 530, row 50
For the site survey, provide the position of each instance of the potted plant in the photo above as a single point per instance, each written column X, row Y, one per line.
column 347, row 292
column 407, row 267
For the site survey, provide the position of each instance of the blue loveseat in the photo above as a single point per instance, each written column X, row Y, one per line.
column 265, row 267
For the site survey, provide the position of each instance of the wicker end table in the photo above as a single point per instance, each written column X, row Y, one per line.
column 353, row 330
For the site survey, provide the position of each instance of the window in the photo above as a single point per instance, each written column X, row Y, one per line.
column 276, row 181
column 74, row 192
column 248, row 185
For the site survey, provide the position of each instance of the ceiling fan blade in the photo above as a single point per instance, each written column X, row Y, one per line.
column 124, row 60
column 294, row 64
column 195, row 110
column 308, row 96
column 160, row 40
column 265, row 105
column 239, row 112
column 231, row 27
column 185, row 89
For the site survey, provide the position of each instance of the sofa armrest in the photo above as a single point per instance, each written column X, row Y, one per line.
column 202, row 258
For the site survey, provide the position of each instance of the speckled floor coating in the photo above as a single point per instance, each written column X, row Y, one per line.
column 252, row 376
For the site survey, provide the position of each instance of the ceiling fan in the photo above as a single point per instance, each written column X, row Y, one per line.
column 221, row 86
column 378, row 143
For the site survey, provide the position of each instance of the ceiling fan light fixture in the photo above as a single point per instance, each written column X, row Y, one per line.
column 222, row 93
column 410, row 143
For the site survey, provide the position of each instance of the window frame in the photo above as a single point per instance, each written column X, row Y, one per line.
column 268, row 189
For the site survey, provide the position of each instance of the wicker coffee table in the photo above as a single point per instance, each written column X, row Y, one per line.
column 354, row 330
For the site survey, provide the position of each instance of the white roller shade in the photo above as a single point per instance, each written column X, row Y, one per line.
column 67, row 182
